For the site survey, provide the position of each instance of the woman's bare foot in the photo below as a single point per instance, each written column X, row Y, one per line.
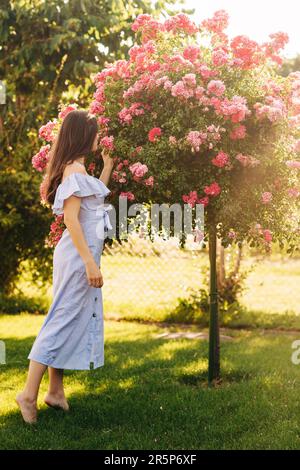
column 56, row 401
column 27, row 407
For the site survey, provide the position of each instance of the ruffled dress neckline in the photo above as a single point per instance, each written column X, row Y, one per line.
column 81, row 185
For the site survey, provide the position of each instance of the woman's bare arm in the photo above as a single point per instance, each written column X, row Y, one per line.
column 107, row 168
column 71, row 211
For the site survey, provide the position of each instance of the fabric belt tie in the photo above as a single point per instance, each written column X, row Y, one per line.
column 104, row 209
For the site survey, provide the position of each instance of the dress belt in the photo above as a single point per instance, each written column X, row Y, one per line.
column 104, row 209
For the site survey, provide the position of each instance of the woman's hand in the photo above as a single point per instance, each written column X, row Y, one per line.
column 107, row 159
column 93, row 273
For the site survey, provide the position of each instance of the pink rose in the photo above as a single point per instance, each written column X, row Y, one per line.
column 221, row 160
column 213, row 189
column 190, row 198
column 216, row 87
column 107, row 142
column 40, row 159
column 149, row 181
column 203, row 200
column 154, row 133
column 238, row 132
column 293, row 164
column 130, row 196
column 47, row 132
column 267, row 235
column 266, row 197
column 138, row 170
column 65, row 111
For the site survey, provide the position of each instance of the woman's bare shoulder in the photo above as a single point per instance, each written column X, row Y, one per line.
column 74, row 168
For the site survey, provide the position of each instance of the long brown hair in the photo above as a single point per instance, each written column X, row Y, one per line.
column 75, row 139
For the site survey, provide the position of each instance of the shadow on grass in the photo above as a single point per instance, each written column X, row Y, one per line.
column 142, row 359
column 137, row 379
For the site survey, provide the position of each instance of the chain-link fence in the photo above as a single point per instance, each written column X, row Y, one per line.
column 144, row 279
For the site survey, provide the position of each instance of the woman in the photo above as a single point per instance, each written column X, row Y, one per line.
column 71, row 336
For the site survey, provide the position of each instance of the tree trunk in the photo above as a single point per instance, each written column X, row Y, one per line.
column 214, row 333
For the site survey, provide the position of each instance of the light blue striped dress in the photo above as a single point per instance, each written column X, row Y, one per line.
column 72, row 335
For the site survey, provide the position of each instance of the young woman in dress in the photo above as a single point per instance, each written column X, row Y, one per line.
column 71, row 336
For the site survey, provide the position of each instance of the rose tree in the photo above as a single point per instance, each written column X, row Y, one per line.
column 196, row 117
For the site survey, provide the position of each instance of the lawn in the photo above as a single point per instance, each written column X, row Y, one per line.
column 152, row 393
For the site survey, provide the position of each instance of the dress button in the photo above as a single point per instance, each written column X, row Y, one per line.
column 94, row 314
column 96, row 298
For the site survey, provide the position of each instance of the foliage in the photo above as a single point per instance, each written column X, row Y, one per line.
column 16, row 304
column 195, row 307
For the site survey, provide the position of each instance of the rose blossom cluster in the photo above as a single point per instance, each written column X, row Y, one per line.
column 217, row 23
column 128, row 195
column 154, row 134
column 246, row 52
column 221, row 160
column 273, row 109
column 235, row 109
column 126, row 114
column 238, row 132
column 241, row 51
column 107, row 142
column 120, row 69
column 48, row 131
column 257, row 230
column 247, row 160
column 137, row 171
column 40, row 159
column 209, row 137
column 195, row 139
column 150, row 28
column 192, row 198
column 56, row 230
column 119, row 174
column 66, row 110
column 272, row 48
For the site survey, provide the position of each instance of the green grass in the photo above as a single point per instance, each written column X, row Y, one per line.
column 152, row 393
column 273, row 286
